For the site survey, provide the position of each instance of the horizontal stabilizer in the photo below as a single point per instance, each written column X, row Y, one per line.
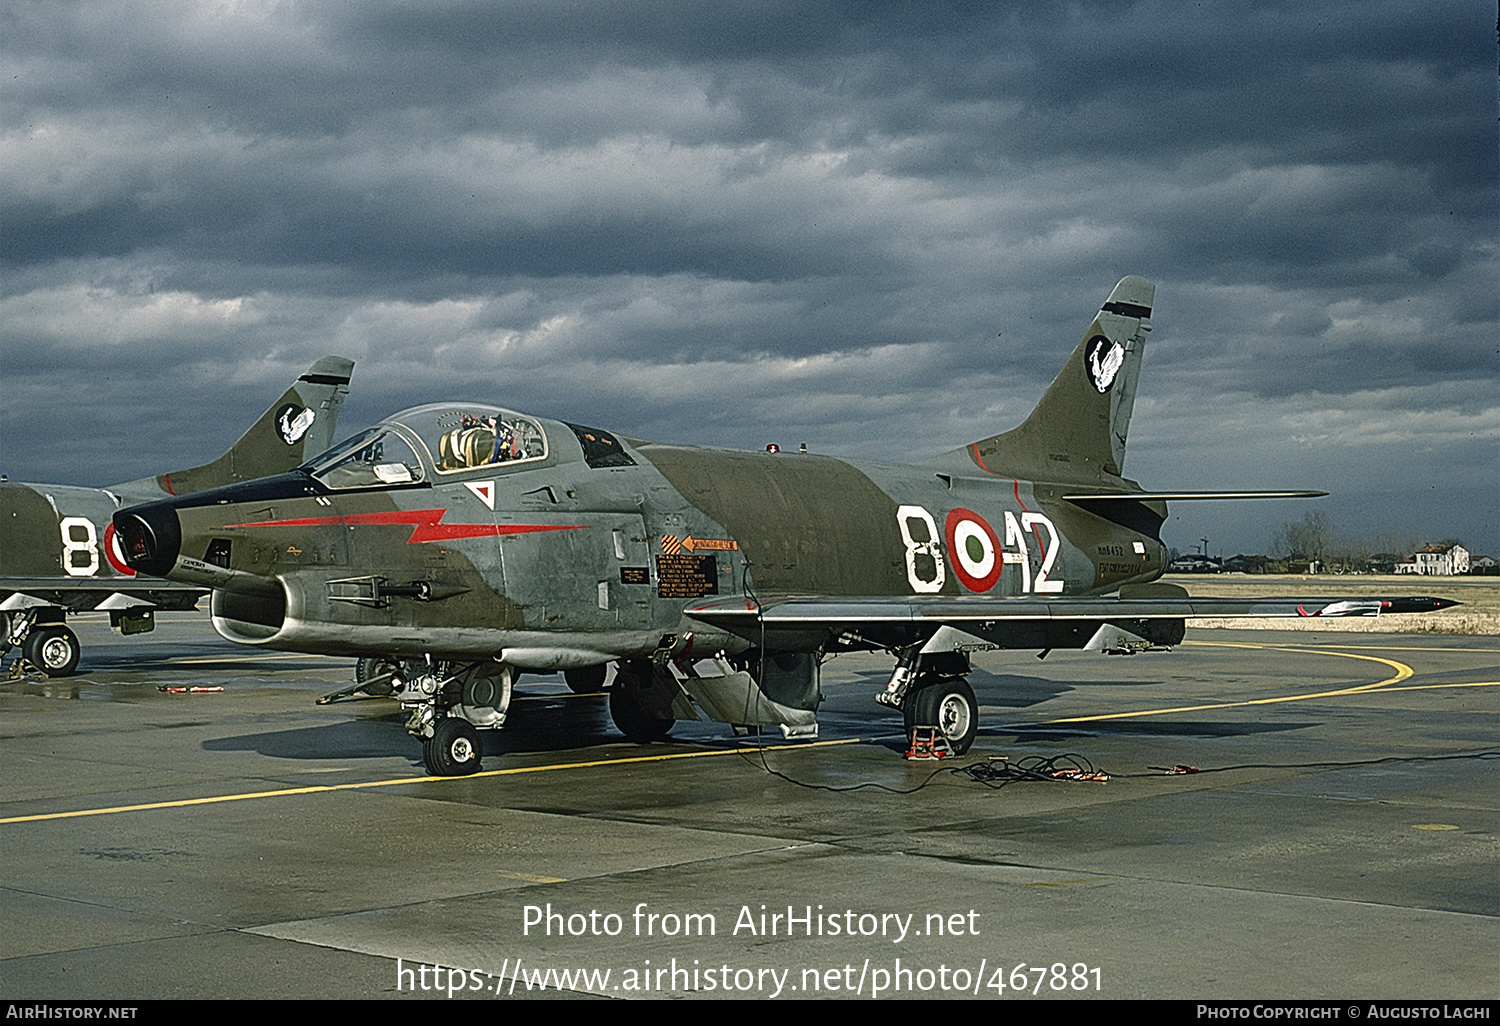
column 1180, row 496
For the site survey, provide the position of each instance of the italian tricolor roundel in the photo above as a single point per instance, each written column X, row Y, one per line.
column 113, row 552
column 974, row 548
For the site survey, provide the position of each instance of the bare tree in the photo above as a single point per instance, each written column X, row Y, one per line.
column 1304, row 539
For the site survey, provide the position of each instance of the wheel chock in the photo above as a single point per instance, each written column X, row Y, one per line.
column 927, row 744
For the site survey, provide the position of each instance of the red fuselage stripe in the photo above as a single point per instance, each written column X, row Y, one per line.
column 974, row 447
column 424, row 524
column 978, row 460
column 1039, row 543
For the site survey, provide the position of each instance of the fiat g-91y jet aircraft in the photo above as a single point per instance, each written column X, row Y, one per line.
column 59, row 553
column 459, row 544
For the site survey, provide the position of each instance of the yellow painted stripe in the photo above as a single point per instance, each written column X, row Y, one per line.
column 1437, row 687
column 319, row 788
column 1402, row 673
column 1423, row 648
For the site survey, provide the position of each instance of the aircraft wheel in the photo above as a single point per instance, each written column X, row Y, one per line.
column 633, row 720
column 454, row 749
column 53, row 650
column 486, row 695
column 371, row 667
column 950, row 706
column 586, row 680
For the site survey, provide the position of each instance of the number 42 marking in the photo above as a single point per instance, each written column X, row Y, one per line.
column 926, row 569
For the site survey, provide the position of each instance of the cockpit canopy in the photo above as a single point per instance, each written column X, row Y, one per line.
column 441, row 438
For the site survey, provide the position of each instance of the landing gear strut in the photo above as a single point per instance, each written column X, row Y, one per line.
column 449, row 705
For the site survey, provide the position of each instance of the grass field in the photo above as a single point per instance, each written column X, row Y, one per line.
column 1478, row 614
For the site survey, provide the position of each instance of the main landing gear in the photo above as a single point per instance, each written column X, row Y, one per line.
column 49, row 647
column 950, row 706
column 932, row 692
column 640, row 702
column 587, row 680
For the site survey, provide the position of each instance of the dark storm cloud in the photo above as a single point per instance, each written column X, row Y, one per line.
column 848, row 221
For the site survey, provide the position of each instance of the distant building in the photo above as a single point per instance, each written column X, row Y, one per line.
column 1442, row 560
column 1484, row 565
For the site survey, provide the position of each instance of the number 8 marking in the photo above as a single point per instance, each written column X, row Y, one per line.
column 929, row 547
column 73, row 545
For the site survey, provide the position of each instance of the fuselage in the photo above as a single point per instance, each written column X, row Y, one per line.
column 476, row 532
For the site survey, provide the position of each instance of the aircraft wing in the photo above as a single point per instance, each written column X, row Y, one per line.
column 80, row 594
column 1021, row 622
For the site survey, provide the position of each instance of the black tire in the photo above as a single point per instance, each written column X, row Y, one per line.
column 586, row 680
column 950, row 706
column 632, row 720
column 454, row 749
column 52, row 649
column 370, row 667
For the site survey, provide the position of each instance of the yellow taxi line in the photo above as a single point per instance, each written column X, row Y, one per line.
column 1421, row 648
column 1435, row 687
column 1402, row 673
column 318, row 788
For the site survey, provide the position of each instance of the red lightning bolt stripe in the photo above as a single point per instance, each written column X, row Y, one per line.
column 424, row 524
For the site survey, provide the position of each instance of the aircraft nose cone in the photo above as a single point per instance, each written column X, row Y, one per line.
column 150, row 536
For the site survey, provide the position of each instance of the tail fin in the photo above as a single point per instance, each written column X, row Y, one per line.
column 1077, row 431
column 296, row 428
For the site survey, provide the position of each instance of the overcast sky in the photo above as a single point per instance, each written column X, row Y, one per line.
column 877, row 228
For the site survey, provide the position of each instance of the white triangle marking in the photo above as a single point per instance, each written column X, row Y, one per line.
column 484, row 490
